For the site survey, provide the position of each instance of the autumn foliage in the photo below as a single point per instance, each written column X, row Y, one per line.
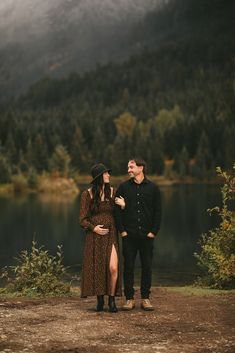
column 217, row 258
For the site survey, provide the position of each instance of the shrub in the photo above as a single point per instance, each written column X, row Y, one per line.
column 32, row 179
column 37, row 273
column 19, row 183
column 217, row 258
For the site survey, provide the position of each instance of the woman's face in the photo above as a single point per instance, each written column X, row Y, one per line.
column 106, row 177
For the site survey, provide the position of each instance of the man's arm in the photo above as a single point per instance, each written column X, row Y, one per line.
column 157, row 215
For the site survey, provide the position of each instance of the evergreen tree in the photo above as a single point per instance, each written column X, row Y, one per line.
column 32, row 179
column 167, row 122
column 23, row 165
column 182, row 162
column 80, row 156
column 98, row 145
column 126, row 97
column 29, row 155
column 155, row 153
column 203, row 157
column 60, row 160
column 11, row 150
column 5, row 170
column 120, row 153
column 229, row 145
column 185, row 85
column 40, row 154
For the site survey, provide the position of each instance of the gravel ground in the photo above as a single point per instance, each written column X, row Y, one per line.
column 179, row 324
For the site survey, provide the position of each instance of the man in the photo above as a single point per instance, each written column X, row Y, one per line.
column 138, row 224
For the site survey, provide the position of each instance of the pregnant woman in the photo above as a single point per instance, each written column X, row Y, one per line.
column 100, row 270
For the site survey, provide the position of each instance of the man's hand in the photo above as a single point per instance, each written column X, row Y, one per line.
column 123, row 234
column 100, row 230
column 150, row 235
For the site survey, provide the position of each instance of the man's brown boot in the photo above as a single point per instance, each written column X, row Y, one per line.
column 130, row 304
column 146, row 305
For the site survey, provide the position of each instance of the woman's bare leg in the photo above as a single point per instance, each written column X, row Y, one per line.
column 113, row 267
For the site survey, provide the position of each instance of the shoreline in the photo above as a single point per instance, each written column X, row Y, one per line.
column 158, row 179
column 55, row 186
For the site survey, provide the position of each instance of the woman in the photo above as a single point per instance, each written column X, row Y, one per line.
column 100, row 271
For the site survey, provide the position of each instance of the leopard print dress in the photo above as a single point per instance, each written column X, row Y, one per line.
column 96, row 278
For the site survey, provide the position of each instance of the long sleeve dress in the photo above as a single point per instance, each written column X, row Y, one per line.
column 96, row 279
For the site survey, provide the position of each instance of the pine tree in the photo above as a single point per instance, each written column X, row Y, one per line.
column 98, row 145
column 40, row 154
column 229, row 145
column 182, row 162
column 60, row 160
column 11, row 150
column 5, row 170
column 80, row 156
column 203, row 157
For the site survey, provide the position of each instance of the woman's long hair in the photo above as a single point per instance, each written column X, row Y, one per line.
column 96, row 189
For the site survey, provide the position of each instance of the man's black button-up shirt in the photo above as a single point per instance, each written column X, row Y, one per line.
column 142, row 213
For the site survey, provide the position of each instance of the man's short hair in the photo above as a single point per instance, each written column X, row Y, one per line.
column 140, row 162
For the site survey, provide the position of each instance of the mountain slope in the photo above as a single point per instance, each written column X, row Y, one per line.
column 57, row 37
column 172, row 103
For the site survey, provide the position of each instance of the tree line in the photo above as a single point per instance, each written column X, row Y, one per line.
column 174, row 106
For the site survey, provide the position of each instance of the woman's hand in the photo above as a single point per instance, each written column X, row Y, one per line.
column 150, row 235
column 100, row 230
column 120, row 201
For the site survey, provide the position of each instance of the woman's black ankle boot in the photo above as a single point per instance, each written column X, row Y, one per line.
column 112, row 305
column 100, row 303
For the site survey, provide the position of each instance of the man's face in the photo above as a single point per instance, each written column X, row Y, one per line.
column 133, row 169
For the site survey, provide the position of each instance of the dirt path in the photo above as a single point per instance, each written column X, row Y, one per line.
column 179, row 324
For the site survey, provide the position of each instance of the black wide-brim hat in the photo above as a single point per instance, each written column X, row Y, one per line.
column 97, row 170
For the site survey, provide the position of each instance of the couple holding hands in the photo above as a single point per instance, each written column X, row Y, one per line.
column 133, row 211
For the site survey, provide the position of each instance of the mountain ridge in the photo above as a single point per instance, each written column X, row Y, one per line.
column 65, row 35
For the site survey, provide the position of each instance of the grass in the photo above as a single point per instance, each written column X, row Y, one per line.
column 75, row 291
column 5, row 188
column 199, row 291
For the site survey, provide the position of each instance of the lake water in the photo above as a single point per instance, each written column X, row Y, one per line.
column 52, row 221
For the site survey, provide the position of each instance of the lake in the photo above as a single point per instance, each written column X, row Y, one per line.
column 52, row 220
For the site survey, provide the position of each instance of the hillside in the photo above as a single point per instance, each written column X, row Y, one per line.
column 57, row 37
column 173, row 105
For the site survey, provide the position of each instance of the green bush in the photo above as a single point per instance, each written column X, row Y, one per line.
column 217, row 258
column 37, row 273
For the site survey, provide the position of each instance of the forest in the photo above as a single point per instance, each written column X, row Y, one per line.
column 173, row 105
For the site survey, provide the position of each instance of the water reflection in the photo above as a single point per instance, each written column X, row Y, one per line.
column 52, row 220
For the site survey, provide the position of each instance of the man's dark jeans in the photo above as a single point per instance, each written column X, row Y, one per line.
column 130, row 247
